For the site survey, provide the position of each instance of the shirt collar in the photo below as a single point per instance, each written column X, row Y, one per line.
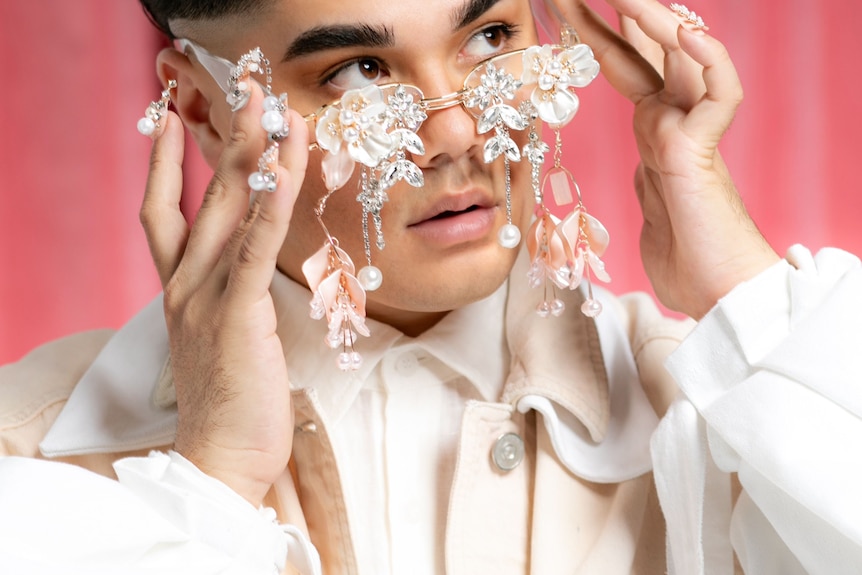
column 453, row 341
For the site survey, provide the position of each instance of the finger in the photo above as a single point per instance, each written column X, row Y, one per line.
column 683, row 85
column 163, row 221
column 646, row 46
column 225, row 202
column 253, row 267
column 290, row 156
column 656, row 20
column 626, row 70
column 715, row 111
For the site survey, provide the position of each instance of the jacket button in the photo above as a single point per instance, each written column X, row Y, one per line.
column 508, row 452
column 406, row 364
column 307, row 427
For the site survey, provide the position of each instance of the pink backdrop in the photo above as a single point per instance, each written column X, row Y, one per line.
column 79, row 74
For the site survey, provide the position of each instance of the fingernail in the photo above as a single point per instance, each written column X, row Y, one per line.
column 691, row 21
column 151, row 124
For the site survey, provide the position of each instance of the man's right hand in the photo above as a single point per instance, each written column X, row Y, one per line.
column 235, row 420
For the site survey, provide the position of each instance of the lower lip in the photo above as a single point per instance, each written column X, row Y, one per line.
column 462, row 228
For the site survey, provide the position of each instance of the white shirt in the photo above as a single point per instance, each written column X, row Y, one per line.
column 396, row 423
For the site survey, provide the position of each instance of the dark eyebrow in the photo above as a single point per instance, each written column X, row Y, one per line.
column 339, row 36
column 470, row 11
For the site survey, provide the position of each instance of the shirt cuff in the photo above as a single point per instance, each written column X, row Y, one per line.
column 753, row 319
column 216, row 516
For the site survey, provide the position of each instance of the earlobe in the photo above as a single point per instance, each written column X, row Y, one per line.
column 193, row 100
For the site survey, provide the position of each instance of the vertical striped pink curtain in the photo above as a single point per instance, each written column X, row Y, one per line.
column 77, row 76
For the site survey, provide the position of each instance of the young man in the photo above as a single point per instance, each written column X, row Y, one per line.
column 476, row 437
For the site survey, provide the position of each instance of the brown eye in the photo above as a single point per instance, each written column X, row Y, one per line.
column 357, row 74
column 369, row 69
column 494, row 37
column 490, row 41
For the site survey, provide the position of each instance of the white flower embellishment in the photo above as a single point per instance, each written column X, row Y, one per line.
column 353, row 131
column 554, row 73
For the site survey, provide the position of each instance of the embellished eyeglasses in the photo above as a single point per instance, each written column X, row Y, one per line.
column 377, row 124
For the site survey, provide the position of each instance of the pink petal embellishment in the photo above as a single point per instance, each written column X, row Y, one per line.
column 314, row 268
column 598, row 267
column 597, row 234
column 337, row 168
column 570, row 231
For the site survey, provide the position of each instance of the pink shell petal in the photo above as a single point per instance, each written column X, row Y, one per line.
column 597, row 234
column 314, row 268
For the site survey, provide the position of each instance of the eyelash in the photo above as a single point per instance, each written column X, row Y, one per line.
column 509, row 32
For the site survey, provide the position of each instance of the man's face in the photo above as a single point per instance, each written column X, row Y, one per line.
column 441, row 240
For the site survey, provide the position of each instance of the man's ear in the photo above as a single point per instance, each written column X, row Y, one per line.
column 193, row 100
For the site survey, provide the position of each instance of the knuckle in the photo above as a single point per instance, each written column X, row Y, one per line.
column 239, row 136
column 245, row 256
column 174, row 303
column 148, row 215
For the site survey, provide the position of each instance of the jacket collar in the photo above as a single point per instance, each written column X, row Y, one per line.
column 581, row 375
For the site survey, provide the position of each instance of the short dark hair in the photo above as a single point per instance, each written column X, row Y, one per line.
column 161, row 12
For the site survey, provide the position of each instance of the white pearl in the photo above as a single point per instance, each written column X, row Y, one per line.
column 543, row 309
column 257, row 182
column 355, row 360
column 509, row 236
column 350, row 135
column 557, row 307
column 343, row 361
column 146, row 126
column 591, row 308
column 270, row 103
column 272, row 121
column 370, row 277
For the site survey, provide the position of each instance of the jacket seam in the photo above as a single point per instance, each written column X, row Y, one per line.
column 29, row 412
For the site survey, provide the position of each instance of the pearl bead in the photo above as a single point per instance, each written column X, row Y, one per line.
column 146, row 126
column 370, row 277
column 272, row 121
column 509, row 236
column 350, row 135
column 355, row 360
column 546, row 82
column 591, row 308
column 343, row 361
column 257, row 182
column 270, row 103
column 557, row 307
column 543, row 309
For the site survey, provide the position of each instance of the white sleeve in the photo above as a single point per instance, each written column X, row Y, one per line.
column 163, row 516
column 772, row 384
